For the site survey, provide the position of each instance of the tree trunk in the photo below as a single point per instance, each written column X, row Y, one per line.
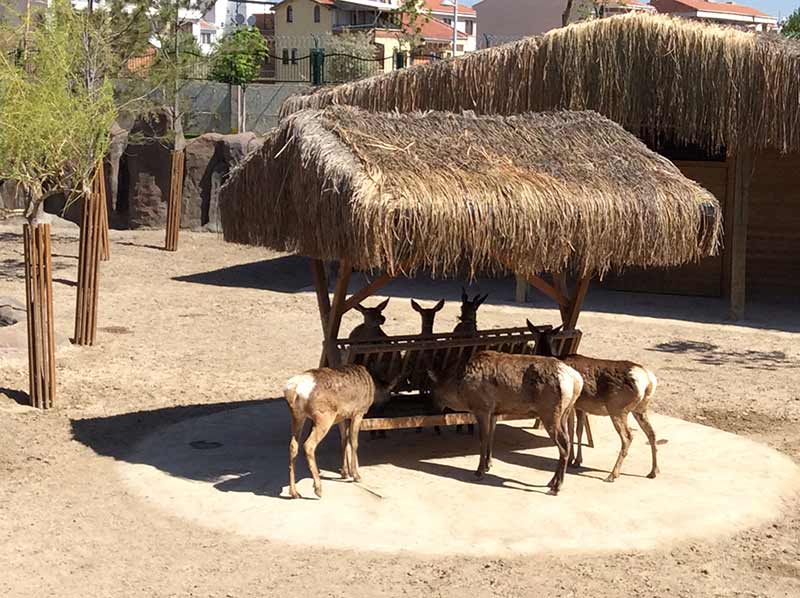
column 242, row 108
column 88, row 258
column 39, row 302
column 565, row 17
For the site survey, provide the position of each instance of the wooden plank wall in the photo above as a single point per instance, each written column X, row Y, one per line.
column 773, row 239
column 702, row 279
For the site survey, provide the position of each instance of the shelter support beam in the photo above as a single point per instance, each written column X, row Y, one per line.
column 330, row 356
column 321, row 286
column 541, row 285
column 737, row 233
column 367, row 291
column 573, row 310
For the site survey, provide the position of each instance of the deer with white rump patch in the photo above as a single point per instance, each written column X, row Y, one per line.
column 613, row 389
column 492, row 384
column 330, row 396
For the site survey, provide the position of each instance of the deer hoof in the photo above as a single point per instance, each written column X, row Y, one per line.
column 610, row 479
column 479, row 474
column 652, row 475
column 356, row 478
column 294, row 494
column 318, row 490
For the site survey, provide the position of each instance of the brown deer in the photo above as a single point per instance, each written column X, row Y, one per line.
column 330, row 396
column 613, row 389
column 492, row 384
column 371, row 327
column 428, row 316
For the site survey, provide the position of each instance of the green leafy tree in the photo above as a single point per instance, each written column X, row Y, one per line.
column 791, row 27
column 349, row 56
column 55, row 114
column 237, row 60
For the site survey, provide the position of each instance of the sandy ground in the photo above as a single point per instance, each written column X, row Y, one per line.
column 189, row 334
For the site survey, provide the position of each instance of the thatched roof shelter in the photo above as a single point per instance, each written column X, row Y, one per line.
column 691, row 82
column 529, row 193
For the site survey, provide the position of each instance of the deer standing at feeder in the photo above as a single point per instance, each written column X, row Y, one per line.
column 370, row 329
column 492, row 384
column 428, row 316
column 468, row 326
column 330, row 396
column 613, row 389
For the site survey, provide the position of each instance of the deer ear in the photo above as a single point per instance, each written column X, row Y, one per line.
column 382, row 306
column 464, row 296
column 479, row 300
column 439, row 305
column 557, row 329
column 531, row 327
column 415, row 306
column 359, row 308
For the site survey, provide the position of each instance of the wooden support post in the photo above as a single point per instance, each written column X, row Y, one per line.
column 39, row 299
column 330, row 355
column 521, row 289
column 88, row 258
column 105, row 244
column 551, row 291
column 743, row 172
column 174, row 200
column 574, row 309
column 321, row 286
column 367, row 291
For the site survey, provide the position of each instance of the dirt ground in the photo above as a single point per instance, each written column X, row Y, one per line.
column 192, row 333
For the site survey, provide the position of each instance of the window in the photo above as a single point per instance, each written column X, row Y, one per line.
column 289, row 14
column 448, row 21
column 460, row 48
column 205, row 38
column 294, row 55
column 316, row 14
column 285, row 56
column 470, row 27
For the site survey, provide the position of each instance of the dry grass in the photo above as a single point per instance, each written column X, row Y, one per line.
column 686, row 81
column 454, row 193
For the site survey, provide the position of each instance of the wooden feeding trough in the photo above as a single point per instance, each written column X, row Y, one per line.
column 556, row 198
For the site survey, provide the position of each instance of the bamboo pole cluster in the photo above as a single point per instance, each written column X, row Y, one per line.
column 39, row 296
column 91, row 240
column 174, row 200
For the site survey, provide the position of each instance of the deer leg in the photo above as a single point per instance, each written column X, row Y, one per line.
column 294, row 448
column 647, row 428
column 321, row 426
column 490, row 449
column 571, row 432
column 347, row 467
column 555, row 429
column 355, row 426
column 581, row 417
column 621, row 426
column 484, row 425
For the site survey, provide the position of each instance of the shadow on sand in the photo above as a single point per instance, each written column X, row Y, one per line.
column 292, row 274
column 245, row 447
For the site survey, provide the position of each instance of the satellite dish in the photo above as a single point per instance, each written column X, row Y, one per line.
column 239, row 19
column 251, row 20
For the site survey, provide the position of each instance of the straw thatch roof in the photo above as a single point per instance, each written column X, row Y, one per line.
column 529, row 193
column 688, row 81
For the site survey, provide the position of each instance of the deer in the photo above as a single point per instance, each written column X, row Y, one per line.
column 468, row 326
column 428, row 315
column 493, row 383
column 371, row 327
column 330, row 396
column 613, row 389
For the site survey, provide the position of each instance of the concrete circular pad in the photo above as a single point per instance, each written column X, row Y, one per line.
column 229, row 471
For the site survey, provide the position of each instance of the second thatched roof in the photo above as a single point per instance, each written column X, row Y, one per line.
column 528, row 193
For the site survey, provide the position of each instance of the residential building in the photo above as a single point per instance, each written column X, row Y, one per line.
column 723, row 13
column 302, row 25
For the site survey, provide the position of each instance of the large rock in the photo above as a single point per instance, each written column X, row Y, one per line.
column 148, row 166
column 112, row 165
column 209, row 158
column 11, row 311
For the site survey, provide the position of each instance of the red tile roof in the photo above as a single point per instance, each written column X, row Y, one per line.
column 724, row 7
column 437, row 5
column 435, row 29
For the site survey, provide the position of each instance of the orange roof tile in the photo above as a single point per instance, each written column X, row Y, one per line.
column 437, row 5
column 724, row 7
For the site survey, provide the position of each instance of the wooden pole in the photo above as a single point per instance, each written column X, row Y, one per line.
column 743, row 171
column 105, row 244
column 174, row 200
column 88, row 257
column 321, row 286
column 520, row 289
column 39, row 299
column 330, row 355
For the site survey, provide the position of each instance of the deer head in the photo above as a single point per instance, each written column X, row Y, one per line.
column 428, row 315
column 373, row 316
column 469, row 308
column 543, row 336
